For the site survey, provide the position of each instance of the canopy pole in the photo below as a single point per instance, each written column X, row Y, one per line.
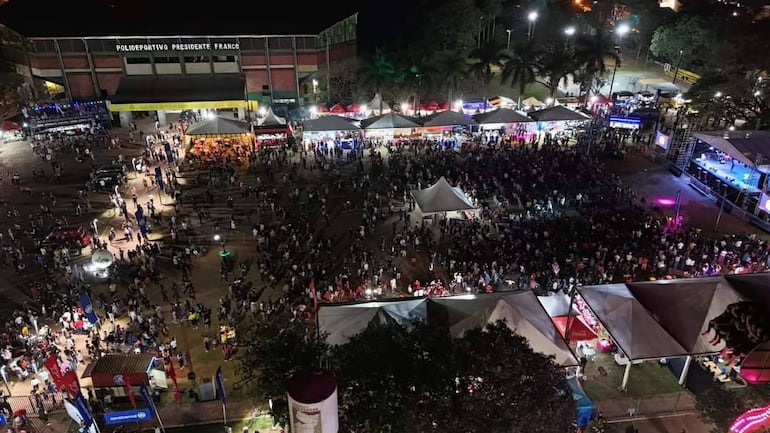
column 685, row 370
column 626, row 373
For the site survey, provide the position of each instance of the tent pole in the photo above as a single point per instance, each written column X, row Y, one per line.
column 625, row 375
column 685, row 370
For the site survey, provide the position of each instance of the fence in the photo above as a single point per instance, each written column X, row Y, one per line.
column 51, row 402
column 660, row 405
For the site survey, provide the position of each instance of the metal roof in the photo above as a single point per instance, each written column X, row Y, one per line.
column 119, row 364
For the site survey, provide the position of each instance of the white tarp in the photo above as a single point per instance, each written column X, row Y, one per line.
column 374, row 104
column 632, row 327
column 442, row 197
column 271, row 119
column 683, row 307
column 557, row 305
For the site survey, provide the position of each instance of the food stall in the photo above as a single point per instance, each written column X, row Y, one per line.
column 219, row 138
column 389, row 127
column 330, row 131
column 504, row 122
column 110, row 374
column 272, row 130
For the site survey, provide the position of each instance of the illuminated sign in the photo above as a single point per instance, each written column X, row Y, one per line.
column 625, row 122
column 178, row 106
column 143, row 48
column 662, row 140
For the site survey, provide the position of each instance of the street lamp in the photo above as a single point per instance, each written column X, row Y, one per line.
column 621, row 30
column 718, row 94
column 96, row 227
column 569, row 31
column 532, row 18
column 508, row 44
column 678, row 64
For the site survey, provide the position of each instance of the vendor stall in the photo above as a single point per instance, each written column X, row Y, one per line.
column 110, row 373
column 447, row 127
column 272, row 131
column 220, row 138
column 504, row 122
column 10, row 131
column 389, row 127
column 330, row 131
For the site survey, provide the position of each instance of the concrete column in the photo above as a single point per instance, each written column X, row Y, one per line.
column 685, row 370
column 125, row 119
column 162, row 118
column 241, row 113
column 626, row 373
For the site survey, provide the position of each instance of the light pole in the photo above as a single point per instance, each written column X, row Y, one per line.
column 678, row 64
column 96, row 227
column 569, row 32
column 619, row 32
column 532, row 18
column 508, row 43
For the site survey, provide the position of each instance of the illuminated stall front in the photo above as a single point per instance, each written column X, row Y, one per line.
column 219, row 139
column 558, row 119
column 272, row 131
column 389, row 127
column 447, row 127
column 331, row 131
column 504, row 122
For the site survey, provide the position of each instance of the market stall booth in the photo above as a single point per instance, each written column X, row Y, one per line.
column 334, row 131
column 272, row 130
column 504, row 123
column 378, row 106
column 447, row 127
column 218, row 139
column 111, row 373
column 10, row 131
column 559, row 120
column 389, row 127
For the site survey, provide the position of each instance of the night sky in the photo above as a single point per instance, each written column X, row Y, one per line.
column 173, row 17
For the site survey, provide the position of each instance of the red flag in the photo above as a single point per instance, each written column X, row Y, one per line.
column 313, row 294
column 129, row 389
column 65, row 381
column 70, row 383
column 52, row 365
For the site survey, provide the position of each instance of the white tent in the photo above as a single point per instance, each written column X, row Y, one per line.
column 558, row 305
column 632, row 327
column 271, row 119
column 703, row 299
column 442, row 197
column 374, row 104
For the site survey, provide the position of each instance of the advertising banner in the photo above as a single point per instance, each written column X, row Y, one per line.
column 127, row 416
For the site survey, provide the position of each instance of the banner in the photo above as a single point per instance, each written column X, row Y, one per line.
column 172, row 375
column 220, row 384
column 127, row 416
column 82, row 406
column 52, row 365
column 146, row 397
column 159, row 178
column 70, row 384
column 88, row 308
column 129, row 389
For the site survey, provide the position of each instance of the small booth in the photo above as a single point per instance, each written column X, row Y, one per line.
column 504, row 122
column 378, row 105
column 331, row 130
column 219, row 138
column 272, row 131
column 445, row 200
column 389, row 127
column 110, row 373
column 559, row 119
column 10, row 131
column 447, row 127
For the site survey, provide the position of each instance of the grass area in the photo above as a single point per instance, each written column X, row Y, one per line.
column 261, row 424
column 646, row 380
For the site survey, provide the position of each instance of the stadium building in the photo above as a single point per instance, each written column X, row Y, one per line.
column 176, row 73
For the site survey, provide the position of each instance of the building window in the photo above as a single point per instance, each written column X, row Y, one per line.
column 224, row 59
column 138, row 60
column 196, row 59
column 164, row 59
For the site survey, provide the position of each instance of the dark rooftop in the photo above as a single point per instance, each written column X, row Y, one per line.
column 204, row 87
column 118, row 364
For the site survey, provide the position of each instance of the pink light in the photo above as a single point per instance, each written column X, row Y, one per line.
column 751, row 420
column 665, row 201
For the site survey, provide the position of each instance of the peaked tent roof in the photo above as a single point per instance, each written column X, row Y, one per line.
column 755, row 287
column 629, row 323
column 374, row 104
column 219, row 126
column 557, row 113
column 684, row 307
column 271, row 119
column 501, row 115
column 338, row 109
column 388, row 121
column 329, row 123
column 557, row 305
column 442, row 197
column 448, row 118
column 532, row 102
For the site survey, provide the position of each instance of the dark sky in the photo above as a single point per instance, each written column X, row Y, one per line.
column 174, row 17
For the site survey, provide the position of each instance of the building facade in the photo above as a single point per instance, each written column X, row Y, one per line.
column 272, row 68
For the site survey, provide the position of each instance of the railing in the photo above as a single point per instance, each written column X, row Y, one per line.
column 730, row 207
column 50, row 402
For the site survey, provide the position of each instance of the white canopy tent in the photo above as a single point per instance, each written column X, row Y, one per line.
column 442, row 197
column 376, row 102
column 558, row 305
column 271, row 119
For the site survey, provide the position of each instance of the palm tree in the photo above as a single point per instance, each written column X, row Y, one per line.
column 592, row 51
column 377, row 71
column 451, row 69
column 557, row 63
column 522, row 67
column 485, row 57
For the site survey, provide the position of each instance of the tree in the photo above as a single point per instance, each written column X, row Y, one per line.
column 10, row 86
column 521, row 68
column 391, row 378
column 377, row 71
column 730, row 96
column 451, row 70
column 557, row 63
column 721, row 406
column 591, row 54
column 484, row 59
column 343, row 81
column 691, row 36
column 270, row 352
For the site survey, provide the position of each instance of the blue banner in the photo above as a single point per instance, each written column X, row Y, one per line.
column 127, row 416
column 88, row 308
column 220, row 384
column 159, row 178
column 82, row 406
column 145, row 394
column 169, row 152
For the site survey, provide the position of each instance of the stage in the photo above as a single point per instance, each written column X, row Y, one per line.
column 738, row 175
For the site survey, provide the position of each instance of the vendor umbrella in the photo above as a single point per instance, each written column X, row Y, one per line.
column 7, row 125
column 337, row 109
column 354, row 108
column 578, row 330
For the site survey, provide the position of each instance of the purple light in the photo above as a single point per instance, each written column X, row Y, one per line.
column 751, row 420
column 665, row 201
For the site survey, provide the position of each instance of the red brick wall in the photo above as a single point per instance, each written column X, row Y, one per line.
column 107, row 62
column 281, row 59
column 308, row 59
column 75, row 62
column 109, row 81
column 255, row 79
column 49, row 62
column 81, row 85
column 283, row 79
column 253, row 60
